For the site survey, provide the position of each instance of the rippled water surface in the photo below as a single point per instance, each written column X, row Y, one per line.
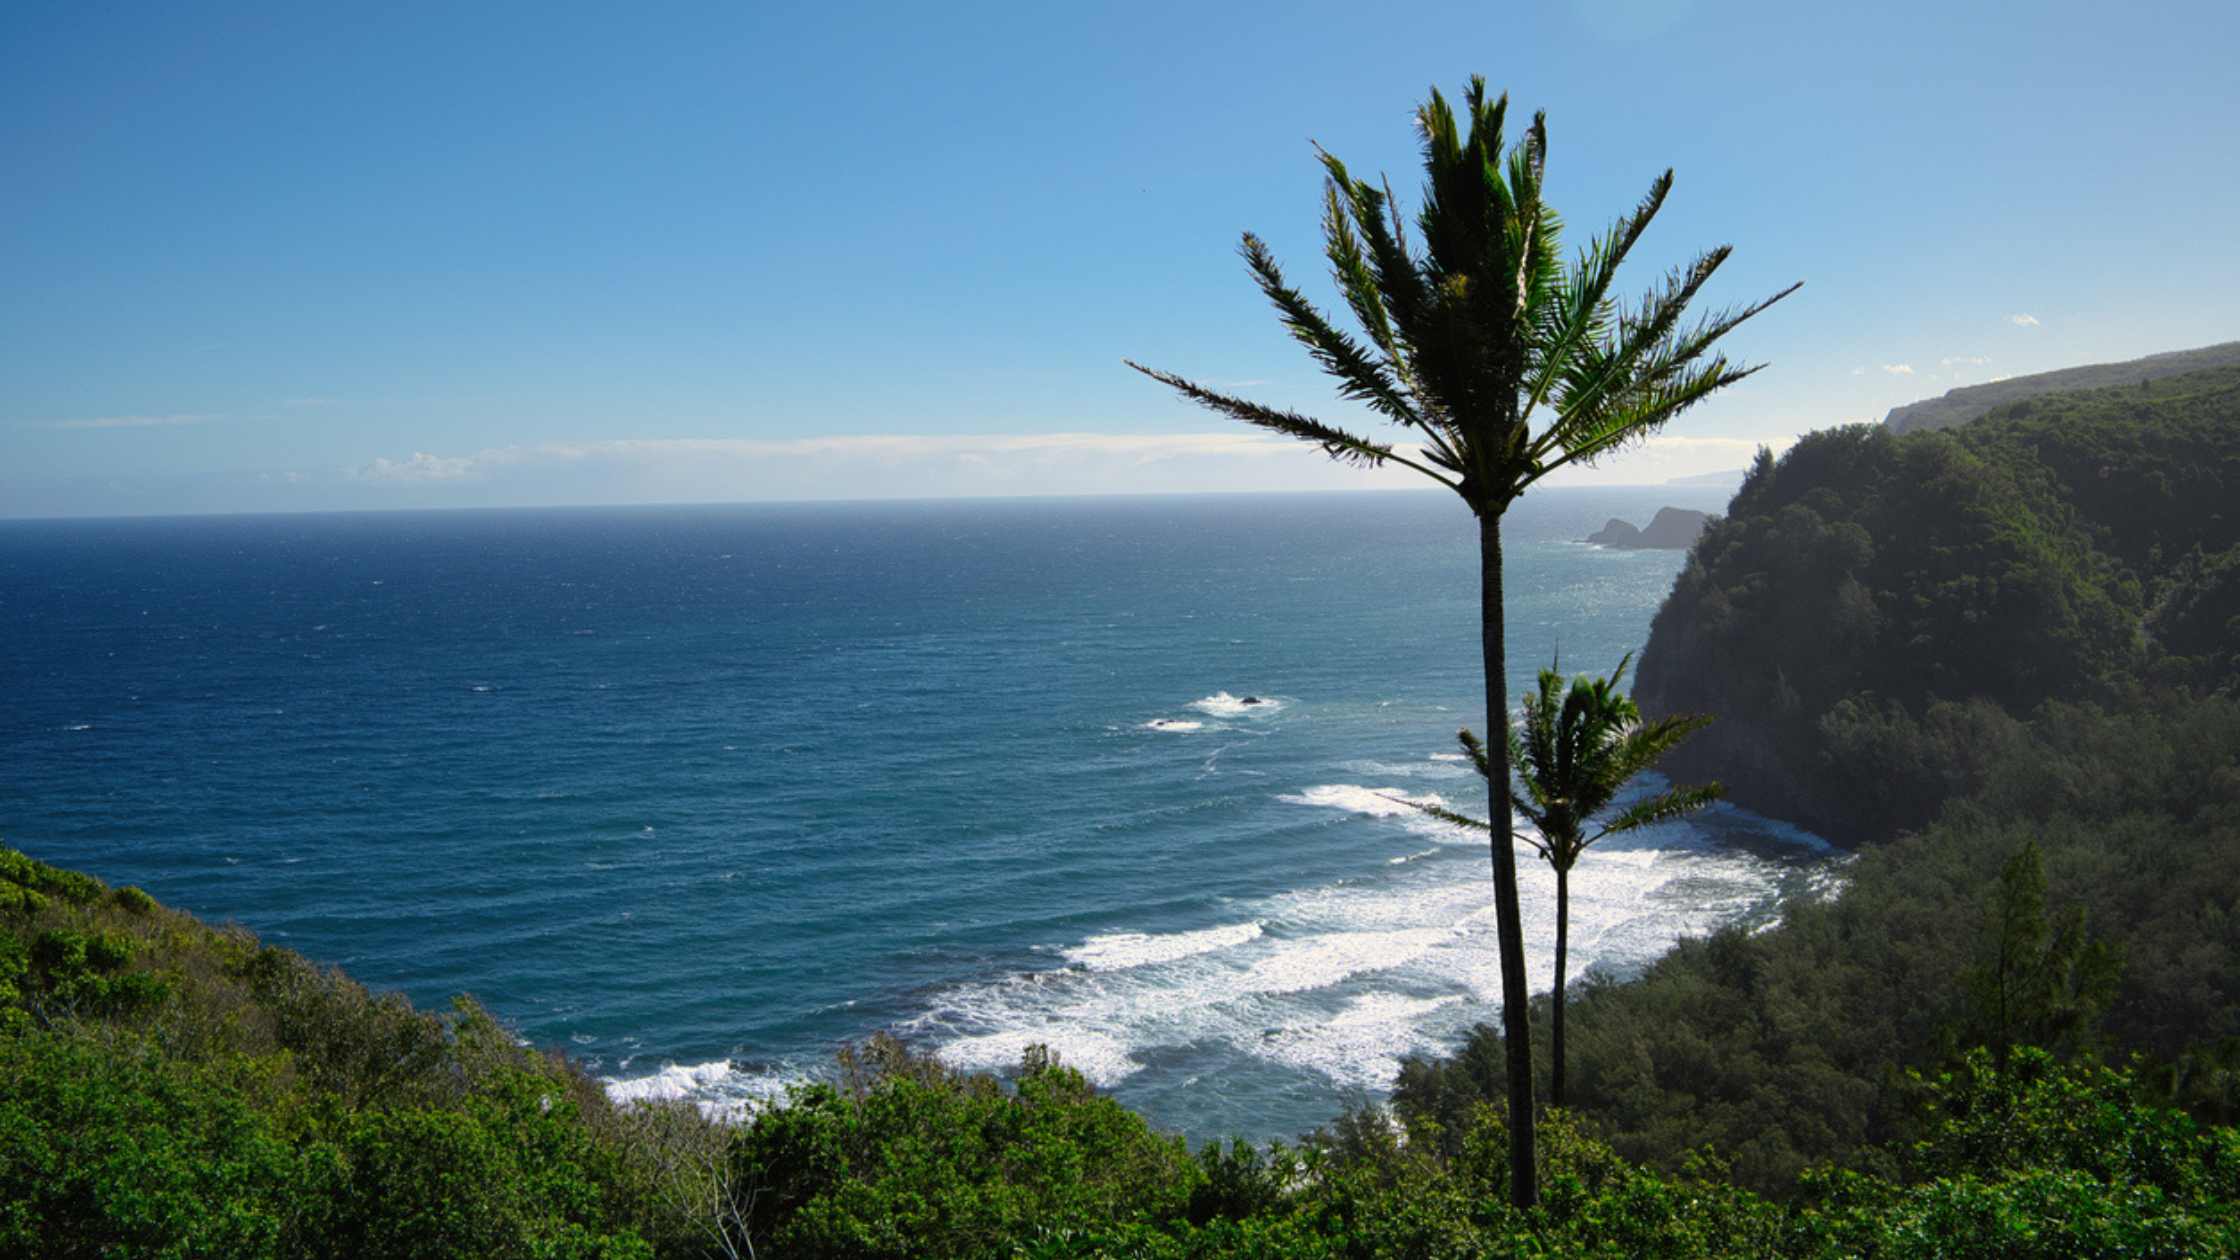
column 698, row 793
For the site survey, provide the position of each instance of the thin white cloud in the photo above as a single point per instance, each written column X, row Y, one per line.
column 888, row 450
column 421, row 468
column 1671, row 456
column 1674, row 444
column 123, row 422
column 932, row 466
column 2023, row 321
column 1898, row 369
column 1965, row 361
column 877, row 466
column 891, row 446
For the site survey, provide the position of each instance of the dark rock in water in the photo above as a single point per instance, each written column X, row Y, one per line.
column 1252, row 700
column 1674, row 529
column 1616, row 534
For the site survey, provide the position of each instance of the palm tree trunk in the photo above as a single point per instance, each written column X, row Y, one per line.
column 1516, row 991
column 1563, row 943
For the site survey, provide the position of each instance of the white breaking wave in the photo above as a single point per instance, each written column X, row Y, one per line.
column 1101, row 1058
column 1121, row 950
column 1223, row 705
column 1361, row 1046
column 720, row 1089
column 1339, row 980
column 1323, row 962
column 1375, row 802
column 1392, row 803
column 1173, row 724
column 1345, row 978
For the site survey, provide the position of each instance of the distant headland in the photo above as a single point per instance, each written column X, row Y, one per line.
column 1962, row 405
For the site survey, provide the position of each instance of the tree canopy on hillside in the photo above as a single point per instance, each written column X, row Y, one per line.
column 2000, row 660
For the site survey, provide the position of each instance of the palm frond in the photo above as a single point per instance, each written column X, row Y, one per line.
column 1479, row 328
column 1350, row 269
column 1442, row 813
column 1579, row 314
column 1383, row 276
column 1359, row 374
column 1626, row 390
column 1646, row 744
column 1662, row 807
column 1337, row 443
column 1475, row 749
column 1666, row 390
column 1575, row 746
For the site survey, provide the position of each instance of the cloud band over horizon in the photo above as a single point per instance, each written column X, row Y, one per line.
column 860, row 466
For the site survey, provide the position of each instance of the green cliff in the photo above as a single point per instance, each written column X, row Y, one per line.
column 1875, row 609
column 2000, row 662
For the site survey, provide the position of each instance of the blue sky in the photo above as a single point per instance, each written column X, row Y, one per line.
column 357, row 255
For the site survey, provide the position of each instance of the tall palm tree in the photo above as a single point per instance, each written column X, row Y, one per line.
column 1503, row 363
column 1572, row 754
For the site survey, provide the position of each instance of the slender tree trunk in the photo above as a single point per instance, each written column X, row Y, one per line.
column 1563, row 945
column 1516, row 991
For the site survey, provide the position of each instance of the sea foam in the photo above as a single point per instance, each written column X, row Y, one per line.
column 1120, row 950
column 1223, row 705
column 721, row 1089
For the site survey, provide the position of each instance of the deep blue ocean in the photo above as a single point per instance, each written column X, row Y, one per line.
column 700, row 793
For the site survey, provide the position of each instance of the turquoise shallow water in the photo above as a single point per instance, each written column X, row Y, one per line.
column 698, row 793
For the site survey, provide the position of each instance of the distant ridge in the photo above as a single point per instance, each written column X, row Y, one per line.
column 1962, row 405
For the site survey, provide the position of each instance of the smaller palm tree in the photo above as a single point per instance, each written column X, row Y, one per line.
column 1574, row 751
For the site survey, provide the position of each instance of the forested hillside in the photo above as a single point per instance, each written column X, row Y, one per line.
column 2000, row 661
column 1875, row 611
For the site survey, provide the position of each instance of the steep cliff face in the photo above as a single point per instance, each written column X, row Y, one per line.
column 1875, row 612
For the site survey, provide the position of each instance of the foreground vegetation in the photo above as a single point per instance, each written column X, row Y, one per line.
column 174, row 1089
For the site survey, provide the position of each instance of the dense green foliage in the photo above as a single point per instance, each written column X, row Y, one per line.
column 177, row 1090
column 913, row 1160
column 2006, row 652
column 1877, row 614
column 234, row 1100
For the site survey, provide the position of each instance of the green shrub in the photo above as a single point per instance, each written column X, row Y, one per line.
column 420, row 1184
column 81, row 975
column 906, row 1159
column 112, row 1151
column 37, row 877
